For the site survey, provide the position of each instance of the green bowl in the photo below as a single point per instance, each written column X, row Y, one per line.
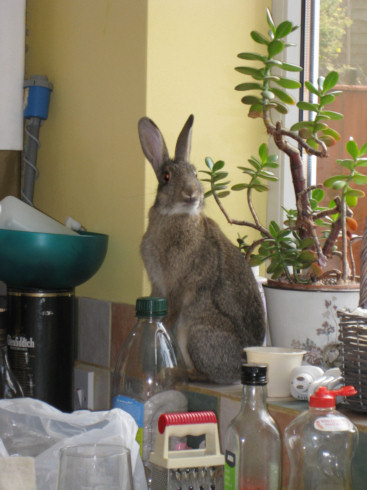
column 50, row 261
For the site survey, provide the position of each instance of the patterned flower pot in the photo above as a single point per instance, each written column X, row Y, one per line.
column 306, row 318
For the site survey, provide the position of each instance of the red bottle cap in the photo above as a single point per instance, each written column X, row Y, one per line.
column 324, row 398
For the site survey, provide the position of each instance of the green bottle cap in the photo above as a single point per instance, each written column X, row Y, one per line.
column 150, row 306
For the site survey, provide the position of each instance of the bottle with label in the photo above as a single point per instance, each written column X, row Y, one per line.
column 150, row 375
column 253, row 446
column 320, row 443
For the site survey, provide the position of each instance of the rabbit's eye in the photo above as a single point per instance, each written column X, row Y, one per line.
column 167, row 176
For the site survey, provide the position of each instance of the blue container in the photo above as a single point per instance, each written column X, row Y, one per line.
column 37, row 97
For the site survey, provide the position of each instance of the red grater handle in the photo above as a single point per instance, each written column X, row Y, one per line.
column 185, row 418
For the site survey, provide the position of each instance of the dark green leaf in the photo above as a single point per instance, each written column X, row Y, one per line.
column 218, row 165
column 249, row 86
column 251, row 56
column 302, row 124
column 259, row 38
column 275, row 47
column 250, row 100
column 239, row 187
column 274, row 228
column 283, row 29
column 259, row 187
column 255, row 73
column 254, row 162
column 221, row 195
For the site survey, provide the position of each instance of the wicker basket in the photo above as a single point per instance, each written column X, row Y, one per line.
column 353, row 338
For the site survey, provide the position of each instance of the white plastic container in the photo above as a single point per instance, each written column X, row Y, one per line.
column 20, row 216
column 281, row 361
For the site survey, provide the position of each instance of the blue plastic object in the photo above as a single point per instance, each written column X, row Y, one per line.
column 37, row 99
column 48, row 260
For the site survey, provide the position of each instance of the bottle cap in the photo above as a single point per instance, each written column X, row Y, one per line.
column 150, row 306
column 324, row 398
column 254, row 374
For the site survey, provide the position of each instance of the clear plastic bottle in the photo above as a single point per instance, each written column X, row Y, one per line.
column 9, row 385
column 150, row 374
column 253, row 446
column 320, row 443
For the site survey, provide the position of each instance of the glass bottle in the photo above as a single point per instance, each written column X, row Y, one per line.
column 320, row 443
column 9, row 385
column 150, row 374
column 253, row 447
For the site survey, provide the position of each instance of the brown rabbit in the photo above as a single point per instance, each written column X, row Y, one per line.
column 214, row 304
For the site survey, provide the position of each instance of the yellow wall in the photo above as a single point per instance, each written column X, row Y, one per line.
column 112, row 61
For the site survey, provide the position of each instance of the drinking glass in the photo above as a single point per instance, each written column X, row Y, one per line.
column 95, row 467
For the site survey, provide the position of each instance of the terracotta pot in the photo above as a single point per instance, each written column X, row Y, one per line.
column 306, row 318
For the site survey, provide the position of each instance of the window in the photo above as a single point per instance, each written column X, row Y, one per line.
column 333, row 37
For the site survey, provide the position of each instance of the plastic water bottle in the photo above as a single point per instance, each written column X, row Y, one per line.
column 320, row 443
column 253, row 447
column 150, row 374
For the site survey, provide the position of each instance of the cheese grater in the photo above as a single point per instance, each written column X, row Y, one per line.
column 187, row 469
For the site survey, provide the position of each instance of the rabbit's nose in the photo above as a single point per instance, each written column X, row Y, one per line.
column 190, row 195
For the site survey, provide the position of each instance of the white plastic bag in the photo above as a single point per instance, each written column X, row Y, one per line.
column 30, row 427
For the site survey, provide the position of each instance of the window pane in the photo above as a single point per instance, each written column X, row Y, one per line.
column 343, row 48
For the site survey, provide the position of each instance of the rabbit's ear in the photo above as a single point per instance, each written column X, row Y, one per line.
column 183, row 145
column 152, row 143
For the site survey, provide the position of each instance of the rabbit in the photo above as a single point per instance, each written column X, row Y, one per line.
column 213, row 300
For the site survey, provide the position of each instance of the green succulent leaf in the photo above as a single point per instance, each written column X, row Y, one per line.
column 209, row 163
column 307, row 106
column 327, row 99
column 354, row 192
column 275, row 47
column 359, row 179
column 251, row 99
column 259, row 38
column 288, row 83
column 251, row 56
column 239, row 187
column 352, row 201
column 283, row 96
column 255, row 73
column 270, row 21
column 330, row 81
column 218, row 165
column 291, row 67
column 336, row 178
column 263, row 152
column 349, row 164
column 283, row 29
column 311, row 88
column 318, row 194
column 332, row 115
column 352, row 149
column 249, row 86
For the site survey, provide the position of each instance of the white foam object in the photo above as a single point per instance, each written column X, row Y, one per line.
column 20, row 216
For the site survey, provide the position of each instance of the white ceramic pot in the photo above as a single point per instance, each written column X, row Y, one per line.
column 307, row 319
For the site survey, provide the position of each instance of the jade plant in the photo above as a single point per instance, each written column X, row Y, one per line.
column 297, row 250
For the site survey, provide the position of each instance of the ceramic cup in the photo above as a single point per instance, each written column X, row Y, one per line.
column 95, row 467
column 281, row 361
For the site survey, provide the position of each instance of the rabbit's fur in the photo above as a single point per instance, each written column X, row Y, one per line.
column 214, row 304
